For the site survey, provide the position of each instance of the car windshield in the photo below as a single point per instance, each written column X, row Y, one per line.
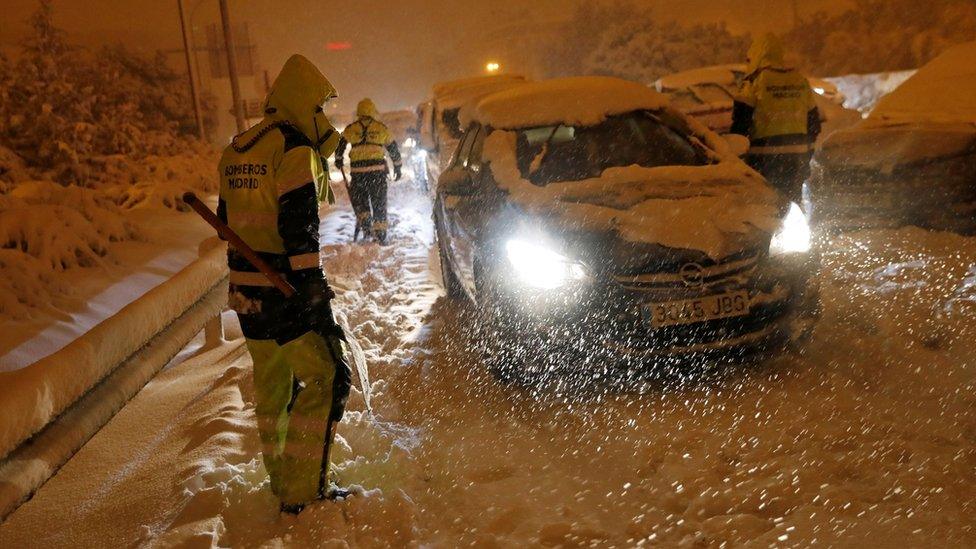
column 569, row 153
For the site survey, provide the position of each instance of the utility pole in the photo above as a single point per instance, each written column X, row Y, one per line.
column 235, row 85
column 194, row 93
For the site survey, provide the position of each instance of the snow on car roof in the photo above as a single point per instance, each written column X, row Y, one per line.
column 942, row 91
column 581, row 101
column 455, row 94
column 719, row 74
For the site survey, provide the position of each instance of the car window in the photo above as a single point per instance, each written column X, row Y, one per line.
column 473, row 161
column 567, row 153
column 464, row 147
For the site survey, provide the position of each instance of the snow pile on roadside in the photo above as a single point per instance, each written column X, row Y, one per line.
column 716, row 209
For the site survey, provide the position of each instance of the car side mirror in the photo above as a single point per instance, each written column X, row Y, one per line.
column 738, row 144
column 455, row 182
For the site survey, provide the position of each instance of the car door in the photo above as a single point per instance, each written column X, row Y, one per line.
column 465, row 205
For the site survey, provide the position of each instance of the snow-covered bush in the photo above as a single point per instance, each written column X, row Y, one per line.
column 84, row 137
column 644, row 50
column 28, row 285
column 882, row 35
column 630, row 41
column 62, row 107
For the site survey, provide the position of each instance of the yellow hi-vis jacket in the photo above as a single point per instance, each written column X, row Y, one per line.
column 369, row 141
column 775, row 106
column 272, row 176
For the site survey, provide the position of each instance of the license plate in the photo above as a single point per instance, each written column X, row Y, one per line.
column 702, row 309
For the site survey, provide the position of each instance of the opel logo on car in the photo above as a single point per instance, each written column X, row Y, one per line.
column 693, row 275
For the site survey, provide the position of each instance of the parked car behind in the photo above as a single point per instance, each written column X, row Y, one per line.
column 615, row 227
column 440, row 126
column 912, row 161
column 707, row 95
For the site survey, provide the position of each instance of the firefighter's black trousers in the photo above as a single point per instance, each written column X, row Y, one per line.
column 368, row 196
column 786, row 172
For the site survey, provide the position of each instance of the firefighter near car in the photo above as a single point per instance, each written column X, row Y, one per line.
column 776, row 110
column 272, row 181
column 369, row 142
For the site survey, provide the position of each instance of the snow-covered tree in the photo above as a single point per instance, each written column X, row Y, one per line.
column 882, row 35
column 630, row 41
column 642, row 50
column 64, row 106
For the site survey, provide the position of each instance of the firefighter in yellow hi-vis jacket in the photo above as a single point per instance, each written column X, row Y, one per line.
column 775, row 109
column 370, row 141
column 271, row 179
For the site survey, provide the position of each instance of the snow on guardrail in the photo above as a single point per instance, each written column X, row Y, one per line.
column 33, row 396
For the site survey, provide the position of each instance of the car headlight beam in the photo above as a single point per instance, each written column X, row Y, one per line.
column 794, row 236
column 538, row 266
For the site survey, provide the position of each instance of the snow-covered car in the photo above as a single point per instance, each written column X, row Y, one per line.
column 440, row 126
column 617, row 225
column 707, row 94
column 911, row 162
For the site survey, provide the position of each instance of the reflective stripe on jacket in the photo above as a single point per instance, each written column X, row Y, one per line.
column 369, row 141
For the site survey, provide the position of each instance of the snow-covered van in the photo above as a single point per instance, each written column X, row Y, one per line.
column 440, row 126
column 587, row 216
column 707, row 95
column 912, row 161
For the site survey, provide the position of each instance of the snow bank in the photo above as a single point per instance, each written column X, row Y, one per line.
column 580, row 101
column 34, row 395
column 942, row 91
column 717, row 209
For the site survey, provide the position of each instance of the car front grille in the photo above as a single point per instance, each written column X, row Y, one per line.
column 690, row 278
column 770, row 302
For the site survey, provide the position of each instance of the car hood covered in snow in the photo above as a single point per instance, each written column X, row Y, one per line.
column 717, row 210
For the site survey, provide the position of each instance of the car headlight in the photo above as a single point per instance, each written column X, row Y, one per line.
column 537, row 266
column 794, row 236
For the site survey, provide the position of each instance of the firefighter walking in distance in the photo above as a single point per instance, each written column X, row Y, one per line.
column 369, row 142
column 775, row 109
column 271, row 180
